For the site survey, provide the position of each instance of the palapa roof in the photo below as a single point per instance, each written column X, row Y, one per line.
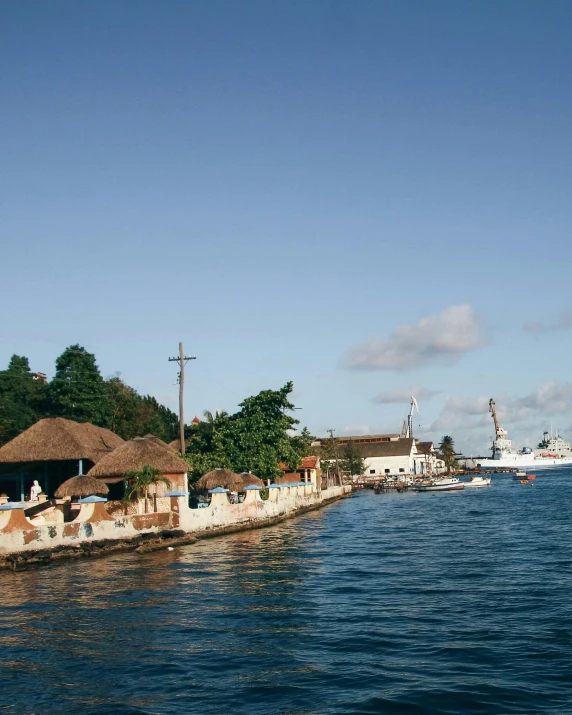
column 81, row 486
column 226, row 478
column 57, row 439
column 156, row 440
column 136, row 454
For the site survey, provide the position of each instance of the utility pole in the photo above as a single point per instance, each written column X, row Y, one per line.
column 331, row 431
column 182, row 360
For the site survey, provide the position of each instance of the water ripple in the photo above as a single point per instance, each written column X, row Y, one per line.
column 409, row 603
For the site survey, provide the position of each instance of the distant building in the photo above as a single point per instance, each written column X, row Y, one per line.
column 390, row 454
column 307, row 471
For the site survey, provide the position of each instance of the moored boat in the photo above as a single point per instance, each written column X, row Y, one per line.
column 479, row 482
column 440, row 484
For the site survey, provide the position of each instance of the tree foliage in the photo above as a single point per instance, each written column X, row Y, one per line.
column 352, row 462
column 79, row 392
column 22, row 398
column 447, row 452
column 256, row 438
column 139, row 482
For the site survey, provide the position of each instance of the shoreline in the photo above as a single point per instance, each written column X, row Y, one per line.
column 151, row 540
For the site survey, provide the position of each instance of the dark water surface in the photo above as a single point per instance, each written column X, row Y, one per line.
column 411, row 603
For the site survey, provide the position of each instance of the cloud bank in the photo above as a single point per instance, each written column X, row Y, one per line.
column 549, row 400
column 404, row 394
column 437, row 339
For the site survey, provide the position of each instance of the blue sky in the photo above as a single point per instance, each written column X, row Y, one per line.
column 281, row 185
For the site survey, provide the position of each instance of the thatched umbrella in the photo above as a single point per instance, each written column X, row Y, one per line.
column 81, row 486
column 220, row 478
column 251, row 479
column 57, row 439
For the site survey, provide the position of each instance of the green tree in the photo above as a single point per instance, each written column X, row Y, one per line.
column 140, row 481
column 352, row 463
column 22, row 398
column 447, row 452
column 303, row 443
column 258, row 437
column 77, row 390
column 132, row 415
column 206, row 444
column 123, row 408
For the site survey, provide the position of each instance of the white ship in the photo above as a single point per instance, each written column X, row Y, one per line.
column 551, row 453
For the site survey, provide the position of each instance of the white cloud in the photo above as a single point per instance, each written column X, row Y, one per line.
column 463, row 413
column 404, row 394
column 563, row 322
column 551, row 398
column 437, row 339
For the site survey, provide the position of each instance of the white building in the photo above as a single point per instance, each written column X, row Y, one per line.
column 392, row 455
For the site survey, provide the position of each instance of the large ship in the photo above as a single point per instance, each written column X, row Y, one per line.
column 551, row 453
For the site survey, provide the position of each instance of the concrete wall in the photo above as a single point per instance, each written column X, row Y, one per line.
column 19, row 534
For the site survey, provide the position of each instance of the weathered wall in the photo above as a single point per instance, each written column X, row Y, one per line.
column 18, row 534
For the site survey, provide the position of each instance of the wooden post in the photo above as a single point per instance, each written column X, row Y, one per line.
column 181, row 392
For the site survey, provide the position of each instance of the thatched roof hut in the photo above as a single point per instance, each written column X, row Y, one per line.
column 251, row 479
column 81, row 486
column 136, row 454
column 156, row 440
column 225, row 478
column 57, row 439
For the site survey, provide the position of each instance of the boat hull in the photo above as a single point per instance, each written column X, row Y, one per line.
column 445, row 485
column 523, row 462
column 474, row 484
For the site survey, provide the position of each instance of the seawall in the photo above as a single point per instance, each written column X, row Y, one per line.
column 94, row 532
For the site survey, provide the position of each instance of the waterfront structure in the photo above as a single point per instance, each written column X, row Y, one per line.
column 135, row 454
column 51, row 451
column 96, row 529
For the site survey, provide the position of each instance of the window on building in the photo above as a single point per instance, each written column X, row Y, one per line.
column 386, row 471
column 401, row 469
column 372, row 471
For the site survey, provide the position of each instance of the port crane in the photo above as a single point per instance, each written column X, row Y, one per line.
column 500, row 432
column 407, row 429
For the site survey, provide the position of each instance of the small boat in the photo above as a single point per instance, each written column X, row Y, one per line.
column 519, row 474
column 479, row 482
column 440, row 484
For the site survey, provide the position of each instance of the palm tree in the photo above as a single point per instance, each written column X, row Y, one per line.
column 447, row 449
column 219, row 414
column 141, row 480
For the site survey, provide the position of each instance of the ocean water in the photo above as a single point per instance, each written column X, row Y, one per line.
column 401, row 603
